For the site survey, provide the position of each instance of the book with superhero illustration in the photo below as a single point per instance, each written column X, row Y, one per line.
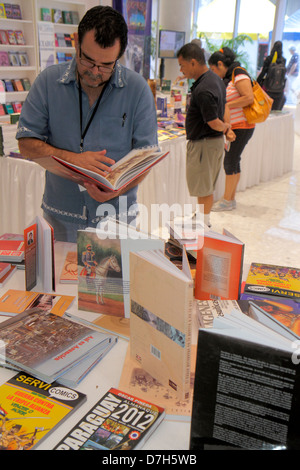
column 30, row 409
column 124, row 422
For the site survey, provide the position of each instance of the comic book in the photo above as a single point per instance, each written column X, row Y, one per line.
column 30, row 409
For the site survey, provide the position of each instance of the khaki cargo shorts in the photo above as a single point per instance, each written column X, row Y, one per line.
column 203, row 163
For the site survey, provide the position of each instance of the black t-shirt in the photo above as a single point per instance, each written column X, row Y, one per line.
column 208, row 98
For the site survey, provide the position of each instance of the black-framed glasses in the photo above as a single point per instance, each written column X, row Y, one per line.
column 101, row 68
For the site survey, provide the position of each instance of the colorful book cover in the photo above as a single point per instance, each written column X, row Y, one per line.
column 11, row 37
column 67, row 18
column 4, row 59
column 2, row 11
column 20, row 37
column 16, row 301
column 3, row 37
column 30, row 409
column 8, row 10
column 57, row 15
column 46, row 345
column 4, row 268
column 11, row 250
column 16, row 11
column 273, row 280
column 46, row 14
column 124, row 422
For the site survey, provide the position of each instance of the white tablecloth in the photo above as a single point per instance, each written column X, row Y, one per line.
column 268, row 155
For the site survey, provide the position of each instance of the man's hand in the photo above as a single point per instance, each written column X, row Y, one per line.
column 94, row 161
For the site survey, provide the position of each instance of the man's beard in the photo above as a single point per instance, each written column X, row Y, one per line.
column 93, row 78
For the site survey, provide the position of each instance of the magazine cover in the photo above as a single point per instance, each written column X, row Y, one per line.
column 30, row 409
column 123, row 422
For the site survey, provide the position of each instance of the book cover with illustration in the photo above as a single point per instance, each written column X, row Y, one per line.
column 103, row 266
column 30, row 409
column 269, row 279
column 15, row 301
column 124, row 422
column 46, row 345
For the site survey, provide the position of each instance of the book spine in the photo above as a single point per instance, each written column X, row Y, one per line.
column 188, row 344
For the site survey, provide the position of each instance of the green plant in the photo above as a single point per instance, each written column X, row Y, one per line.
column 234, row 44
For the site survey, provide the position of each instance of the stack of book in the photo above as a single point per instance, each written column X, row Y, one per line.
column 50, row 347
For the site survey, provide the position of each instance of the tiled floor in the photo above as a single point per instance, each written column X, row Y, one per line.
column 267, row 219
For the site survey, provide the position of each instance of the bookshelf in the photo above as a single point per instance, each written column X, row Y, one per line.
column 29, row 25
column 62, row 25
column 27, row 52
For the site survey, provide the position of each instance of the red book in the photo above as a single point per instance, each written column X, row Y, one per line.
column 4, row 268
column 11, row 250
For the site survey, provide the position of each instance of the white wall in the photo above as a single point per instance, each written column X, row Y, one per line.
column 175, row 15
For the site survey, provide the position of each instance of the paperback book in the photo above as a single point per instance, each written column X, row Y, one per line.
column 124, row 422
column 268, row 279
column 31, row 409
column 161, row 301
column 246, row 388
column 12, row 250
column 125, row 171
column 69, row 273
column 46, row 345
column 14, row 301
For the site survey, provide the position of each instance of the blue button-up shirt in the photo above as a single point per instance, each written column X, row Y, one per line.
column 125, row 119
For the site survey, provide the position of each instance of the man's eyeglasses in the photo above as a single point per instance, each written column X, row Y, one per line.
column 101, row 68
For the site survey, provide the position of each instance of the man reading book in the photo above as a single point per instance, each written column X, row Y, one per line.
column 89, row 112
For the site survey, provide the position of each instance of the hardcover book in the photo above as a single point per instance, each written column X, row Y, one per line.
column 17, row 84
column 269, row 279
column 125, row 171
column 57, row 15
column 124, row 422
column 219, row 267
column 103, row 266
column 67, row 17
column 246, row 388
column 23, row 58
column 25, row 422
column 161, row 297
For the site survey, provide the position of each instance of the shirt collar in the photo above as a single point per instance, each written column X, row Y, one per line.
column 118, row 77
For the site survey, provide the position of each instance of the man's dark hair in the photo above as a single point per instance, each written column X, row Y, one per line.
column 108, row 24
column 192, row 51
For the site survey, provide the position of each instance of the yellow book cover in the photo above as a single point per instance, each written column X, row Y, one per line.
column 30, row 409
column 269, row 279
column 161, row 319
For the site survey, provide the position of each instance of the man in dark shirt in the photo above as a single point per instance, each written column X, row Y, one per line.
column 207, row 121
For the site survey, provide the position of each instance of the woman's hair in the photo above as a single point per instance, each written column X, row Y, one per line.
column 225, row 55
column 277, row 47
column 108, row 24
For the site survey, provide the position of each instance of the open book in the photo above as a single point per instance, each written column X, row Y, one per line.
column 126, row 170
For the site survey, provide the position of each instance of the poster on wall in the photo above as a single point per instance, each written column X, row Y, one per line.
column 137, row 14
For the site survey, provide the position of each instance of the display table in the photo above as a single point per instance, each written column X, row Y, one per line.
column 170, row 435
column 268, row 155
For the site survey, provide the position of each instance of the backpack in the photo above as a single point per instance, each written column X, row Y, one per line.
column 275, row 79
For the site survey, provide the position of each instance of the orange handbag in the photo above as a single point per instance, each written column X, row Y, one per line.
column 261, row 107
